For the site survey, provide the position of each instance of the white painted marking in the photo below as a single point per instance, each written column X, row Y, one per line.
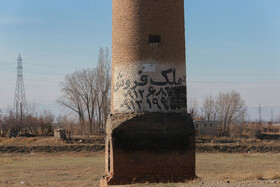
column 149, row 67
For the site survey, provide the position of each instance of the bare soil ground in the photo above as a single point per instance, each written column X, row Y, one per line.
column 49, row 141
column 86, row 169
column 51, row 169
column 49, row 145
column 92, row 144
column 258, row 147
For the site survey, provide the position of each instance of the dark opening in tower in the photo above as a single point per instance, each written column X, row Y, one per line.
column 155, row 38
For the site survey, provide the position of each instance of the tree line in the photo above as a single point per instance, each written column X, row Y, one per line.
column 87, row 93
column 13, row 124
column 227, row 108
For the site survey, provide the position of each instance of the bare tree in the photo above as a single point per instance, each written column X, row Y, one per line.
column 193, row 108
column 231, row 108
column 76, row 95
column 31, row 108
column 278, row 118
column 209, row 108
column 31, row 124
column 11, row 123
column 67, row 122
column 46, row 121
column 27, row 124
column 86, row 92
column 103, row 85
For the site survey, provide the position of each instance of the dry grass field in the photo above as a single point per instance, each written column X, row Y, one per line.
column 31, row 141
column 85, row 169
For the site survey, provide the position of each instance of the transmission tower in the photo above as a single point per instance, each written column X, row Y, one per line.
column 19, row 100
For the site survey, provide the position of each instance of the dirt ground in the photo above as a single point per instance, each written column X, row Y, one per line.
column 93, row 144
column 49, row 141
column 86, row 169
column 31, row 141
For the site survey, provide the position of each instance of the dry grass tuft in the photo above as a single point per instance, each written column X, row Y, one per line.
column 275, row 177
column 260, row 177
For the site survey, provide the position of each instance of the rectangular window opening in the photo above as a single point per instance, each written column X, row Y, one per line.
column 155, row 38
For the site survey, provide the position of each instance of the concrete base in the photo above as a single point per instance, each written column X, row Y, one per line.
column 149, row 147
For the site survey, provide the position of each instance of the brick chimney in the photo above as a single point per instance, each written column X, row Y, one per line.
column 150, row 136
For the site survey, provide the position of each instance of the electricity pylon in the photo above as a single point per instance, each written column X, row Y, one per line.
column 20, row 99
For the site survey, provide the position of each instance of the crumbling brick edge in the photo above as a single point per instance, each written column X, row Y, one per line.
column 145, row 180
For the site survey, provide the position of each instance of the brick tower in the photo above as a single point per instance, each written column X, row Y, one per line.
column 150, row 137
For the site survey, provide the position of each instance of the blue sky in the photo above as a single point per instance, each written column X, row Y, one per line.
column 231, row 44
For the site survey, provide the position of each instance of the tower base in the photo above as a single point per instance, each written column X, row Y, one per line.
column 149, row 147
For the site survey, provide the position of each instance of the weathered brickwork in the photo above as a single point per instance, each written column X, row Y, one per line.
column 150, row 137
column 149, row 87
column 150, row 147
column 152, row 167
column 133, row 23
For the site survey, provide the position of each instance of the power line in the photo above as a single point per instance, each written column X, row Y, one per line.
column 44, row 73
column 11, row 80
column 47, row 65
column 38, row 80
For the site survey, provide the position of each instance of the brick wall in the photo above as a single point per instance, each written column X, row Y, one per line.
column 144, row 166
column 151, row 147
column 133, row 23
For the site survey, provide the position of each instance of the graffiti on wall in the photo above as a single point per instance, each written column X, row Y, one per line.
column 163, row 94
